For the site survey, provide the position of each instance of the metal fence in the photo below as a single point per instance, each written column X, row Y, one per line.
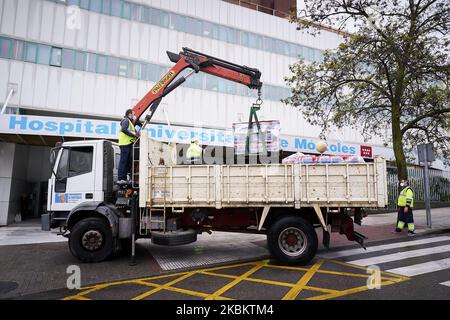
column 439, row 185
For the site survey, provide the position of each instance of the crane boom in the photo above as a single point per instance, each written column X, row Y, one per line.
column 197, row 61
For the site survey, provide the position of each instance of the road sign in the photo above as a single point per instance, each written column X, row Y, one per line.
column 425, row 151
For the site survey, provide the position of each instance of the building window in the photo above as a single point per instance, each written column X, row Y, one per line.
column 126, row 10
column 212, row 83
column 145, row 15
column 43, row 56
column 5, row 48
column 142, row 71
column 30, row 53
column 194, row 26
column 55, row 59
column 123, row 68
column 106, row 6
column 84, row 4
column 80, row 61
column 116, row 8
column 255, row 41
column 96, row 6
column 244, row 38
column 91, row 62
column 133, row 70
column 136, row 12
column 113, row 66
column 102, row 63
column 159, row 18
column 73, row 2
column 68, row 58
column 178, row 22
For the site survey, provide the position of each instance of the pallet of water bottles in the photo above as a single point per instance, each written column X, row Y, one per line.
column 302, row 158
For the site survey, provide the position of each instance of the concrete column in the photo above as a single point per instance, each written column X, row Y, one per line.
column 6, row 171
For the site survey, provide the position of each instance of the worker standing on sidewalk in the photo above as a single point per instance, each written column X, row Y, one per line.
column 405, row 208
column 127, row 136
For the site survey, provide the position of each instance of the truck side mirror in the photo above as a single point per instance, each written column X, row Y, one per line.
column 53, row 154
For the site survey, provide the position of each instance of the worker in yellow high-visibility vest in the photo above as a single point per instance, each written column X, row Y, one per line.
column 127, row 136
column 194, row 152
column 405, row 208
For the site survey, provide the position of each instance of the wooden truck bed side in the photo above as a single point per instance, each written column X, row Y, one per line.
column 258, row 185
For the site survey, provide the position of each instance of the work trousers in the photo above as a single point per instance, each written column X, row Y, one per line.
column 405, row 218
column 125, row 161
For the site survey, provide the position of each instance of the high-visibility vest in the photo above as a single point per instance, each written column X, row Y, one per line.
column 406, row 197
column 194, row 151
column 125, row 139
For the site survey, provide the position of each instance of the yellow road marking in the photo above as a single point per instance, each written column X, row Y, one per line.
column 387, row 279
column 237, row 280
column 148, row 293
column 175, row 289
column 345, row 292
column 295, row 291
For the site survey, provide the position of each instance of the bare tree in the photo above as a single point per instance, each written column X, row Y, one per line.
column 393, row 72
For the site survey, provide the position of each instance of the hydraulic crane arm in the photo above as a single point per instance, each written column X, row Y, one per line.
column 197, row 62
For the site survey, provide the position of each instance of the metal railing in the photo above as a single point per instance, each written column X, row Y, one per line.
column 439, row 185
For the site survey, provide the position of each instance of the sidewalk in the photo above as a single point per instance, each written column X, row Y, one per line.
column 27, row 232
column 378, row 227
column 440, row 218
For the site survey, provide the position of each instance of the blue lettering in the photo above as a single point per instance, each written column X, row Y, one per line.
column 88, row 127
column 152, row 132
column 352, row 150
column 113, row 127
column 284, row 143
column 311, row 145
column 36, row 125
column 183, row 135
column 344, row 149
column 170, row 133
column 78, row 126
column 51, row 126
column 65, row 127
column 160, row 132
column 203, row 136
column 13, row 122
column 300, row 144
column 102, row 129
column 333, row 148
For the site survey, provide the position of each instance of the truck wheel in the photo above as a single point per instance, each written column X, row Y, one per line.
column 174, row 238
column 91, row 240
column 292, row 240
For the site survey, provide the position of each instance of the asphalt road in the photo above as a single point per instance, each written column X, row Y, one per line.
column 411, row 268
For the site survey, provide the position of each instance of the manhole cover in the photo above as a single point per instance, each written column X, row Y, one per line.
column 7, row 286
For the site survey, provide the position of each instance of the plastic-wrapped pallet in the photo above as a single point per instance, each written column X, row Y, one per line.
column 311, row 159
column 267, row 140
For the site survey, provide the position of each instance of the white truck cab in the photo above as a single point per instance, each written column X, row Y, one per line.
column 82, row 171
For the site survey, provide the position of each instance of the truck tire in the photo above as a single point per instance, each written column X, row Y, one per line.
column 174, row 238
column 292, row 240
column 91, row 240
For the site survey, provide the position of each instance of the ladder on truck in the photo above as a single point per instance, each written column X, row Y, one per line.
column 147, row 216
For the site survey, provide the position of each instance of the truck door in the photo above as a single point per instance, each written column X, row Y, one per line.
column 75, row 180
